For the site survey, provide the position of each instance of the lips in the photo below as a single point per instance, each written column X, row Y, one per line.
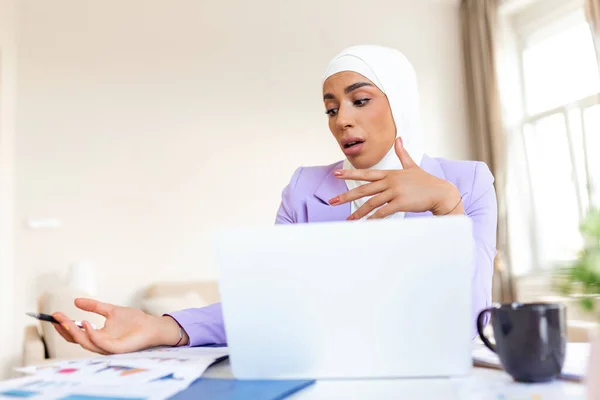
column 351, row 141
column 348, row 145
column 351, row 146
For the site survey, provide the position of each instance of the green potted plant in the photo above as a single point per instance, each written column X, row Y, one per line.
column 581, row 279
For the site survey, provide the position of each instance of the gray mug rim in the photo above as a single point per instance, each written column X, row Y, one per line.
column 537, row 306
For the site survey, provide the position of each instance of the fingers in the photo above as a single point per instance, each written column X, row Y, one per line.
column 383, row 212
column 369, row 175
column 64, row 333
column 405, row 159
column 369, row 189
column 100, row 339
column 60, row 329
column 94, row 306
column 371, row 204
column 80, row 337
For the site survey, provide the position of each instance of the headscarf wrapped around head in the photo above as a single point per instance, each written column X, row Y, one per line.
column 394, row 75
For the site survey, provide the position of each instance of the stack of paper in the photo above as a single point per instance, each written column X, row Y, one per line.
column 153, row 374
column 574, row 367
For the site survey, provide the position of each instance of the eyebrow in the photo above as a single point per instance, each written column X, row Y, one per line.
column 349, row 89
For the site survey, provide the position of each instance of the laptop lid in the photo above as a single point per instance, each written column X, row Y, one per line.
column 378, row 299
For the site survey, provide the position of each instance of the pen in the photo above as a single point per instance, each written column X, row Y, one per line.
column 50, row 318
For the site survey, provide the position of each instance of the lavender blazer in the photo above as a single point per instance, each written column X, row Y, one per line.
column 305, row 199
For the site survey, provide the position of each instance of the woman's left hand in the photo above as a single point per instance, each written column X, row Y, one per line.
column 407, row 190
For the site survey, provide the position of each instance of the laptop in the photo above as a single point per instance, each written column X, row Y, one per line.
column 374, row 299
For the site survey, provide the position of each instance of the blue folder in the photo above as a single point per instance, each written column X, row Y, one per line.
column 232, row 389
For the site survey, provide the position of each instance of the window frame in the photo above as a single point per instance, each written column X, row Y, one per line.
column 530, row 24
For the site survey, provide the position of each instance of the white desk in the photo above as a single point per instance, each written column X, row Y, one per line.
column 483, row 384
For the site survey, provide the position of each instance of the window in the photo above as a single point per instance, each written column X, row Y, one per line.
column 560, row 128
column 560, row 69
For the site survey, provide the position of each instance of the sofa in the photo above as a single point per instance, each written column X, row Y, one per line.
column 42, row 344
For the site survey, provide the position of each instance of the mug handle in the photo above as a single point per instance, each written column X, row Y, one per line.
column 485, row 340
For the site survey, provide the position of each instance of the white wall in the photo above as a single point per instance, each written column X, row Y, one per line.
column 144, row 125
column 8, row 69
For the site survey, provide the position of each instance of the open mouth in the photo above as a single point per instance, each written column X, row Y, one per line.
column 352, row 144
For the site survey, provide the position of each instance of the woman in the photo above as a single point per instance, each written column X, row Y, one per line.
column 371, row 101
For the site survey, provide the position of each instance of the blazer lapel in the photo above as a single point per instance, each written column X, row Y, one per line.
column 317, row 206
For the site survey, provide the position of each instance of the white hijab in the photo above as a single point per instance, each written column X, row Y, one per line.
column 393, row 74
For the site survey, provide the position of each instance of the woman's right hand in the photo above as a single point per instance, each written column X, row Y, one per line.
column 125, row 329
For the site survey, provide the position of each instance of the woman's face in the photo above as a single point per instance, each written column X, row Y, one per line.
column 360, row 118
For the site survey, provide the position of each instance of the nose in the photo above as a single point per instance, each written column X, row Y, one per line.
column 344, row 118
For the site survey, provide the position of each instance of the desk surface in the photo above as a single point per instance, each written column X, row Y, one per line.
column 483, row 384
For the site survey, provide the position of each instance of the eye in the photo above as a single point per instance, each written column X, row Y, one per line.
column 331, row 112
column 362, row 102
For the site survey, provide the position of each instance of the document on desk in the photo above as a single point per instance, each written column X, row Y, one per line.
column 33, row 387
column 155, row 373
column 574, row 368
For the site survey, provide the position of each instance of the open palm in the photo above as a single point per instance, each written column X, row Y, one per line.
column 125, row 330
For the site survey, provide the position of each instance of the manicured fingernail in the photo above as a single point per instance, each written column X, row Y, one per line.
column 337, row 173
column 335, row 200
column 65, row 326
column 400, row 140
column 350, row 218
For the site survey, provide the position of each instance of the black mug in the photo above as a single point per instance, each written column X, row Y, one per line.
column 531, row 339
